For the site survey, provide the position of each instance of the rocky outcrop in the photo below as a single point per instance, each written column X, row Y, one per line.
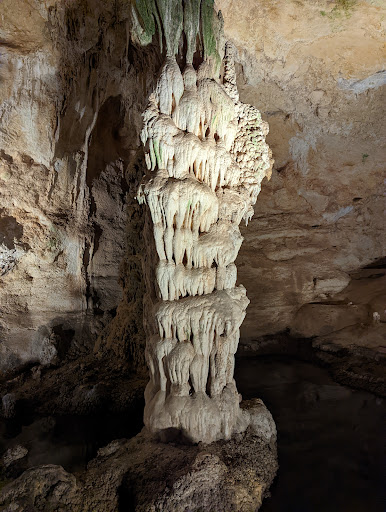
column 81, row 387
column 143, row 474
column 73, row 87
column 344, row 333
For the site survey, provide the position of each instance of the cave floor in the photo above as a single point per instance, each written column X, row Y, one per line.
column 330, row 438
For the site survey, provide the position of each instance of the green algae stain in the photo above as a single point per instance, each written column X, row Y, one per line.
column 172, row 17
column 207, row 19
column 191, row 26
column 146, row 9
column 171, row 14
column 340, row 9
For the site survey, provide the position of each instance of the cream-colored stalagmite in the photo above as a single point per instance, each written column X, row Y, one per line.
column 206, row 155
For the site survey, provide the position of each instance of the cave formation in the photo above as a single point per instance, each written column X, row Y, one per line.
column 207, row 156
column 135, row 175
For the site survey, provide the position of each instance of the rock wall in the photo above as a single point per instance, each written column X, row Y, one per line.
column 72, row 91
column 315, row 69
column 71, row 81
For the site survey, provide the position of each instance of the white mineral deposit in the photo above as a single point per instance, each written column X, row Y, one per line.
column 206, row 157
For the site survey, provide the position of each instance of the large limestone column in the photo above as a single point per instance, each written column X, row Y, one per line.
column 206, row 157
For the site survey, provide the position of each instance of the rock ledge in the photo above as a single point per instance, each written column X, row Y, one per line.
column 145, row 475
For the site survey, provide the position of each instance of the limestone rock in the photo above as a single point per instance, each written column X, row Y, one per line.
column 65, row 168
column 320, row 319
column 13, row 454
column 43, row 488
column 145, row 475
column 8, row 403
column 232, row 476
column 73, row 89
column 260, row 420
column 206, row 157
column 320, row 217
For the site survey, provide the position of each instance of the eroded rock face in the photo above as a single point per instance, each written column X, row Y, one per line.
column 143, row 474
column 71, row 80
column 315, row 72
column 70, row 83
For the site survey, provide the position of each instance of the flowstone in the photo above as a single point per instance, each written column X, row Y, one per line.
column 206, row 157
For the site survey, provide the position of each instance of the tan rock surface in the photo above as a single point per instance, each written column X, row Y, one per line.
column 67, row 85
column 70, row 77
column 315, row 70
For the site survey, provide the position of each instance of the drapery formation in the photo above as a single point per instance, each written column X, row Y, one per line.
column 206, row 157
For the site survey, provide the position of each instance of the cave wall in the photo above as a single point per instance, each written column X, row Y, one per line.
column 72, row 89
column 315, row 69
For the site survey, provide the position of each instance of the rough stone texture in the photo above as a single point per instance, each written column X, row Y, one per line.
column 72, row 90
column 355, row 354
column 70, row 77
column 206, row 156
column 45, row 488
column 145, row 475
column 13, row 454
column 314, row 69
column 81, row 387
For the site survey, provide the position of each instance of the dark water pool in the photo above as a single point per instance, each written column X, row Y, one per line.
column 330, row 438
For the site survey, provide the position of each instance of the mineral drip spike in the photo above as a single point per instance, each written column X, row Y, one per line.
column 206, row 157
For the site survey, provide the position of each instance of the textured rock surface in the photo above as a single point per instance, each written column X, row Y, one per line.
column 206, row 156
column 144, row 475
column 70, row 78
column 80, row 387
column 315, row 70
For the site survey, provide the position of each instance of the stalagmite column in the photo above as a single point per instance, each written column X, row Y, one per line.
column 206, row 157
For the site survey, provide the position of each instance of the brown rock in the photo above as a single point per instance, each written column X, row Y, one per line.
column 320, row 319
column 143, row 475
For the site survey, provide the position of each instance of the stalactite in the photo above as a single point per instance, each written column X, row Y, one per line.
column 206, row 157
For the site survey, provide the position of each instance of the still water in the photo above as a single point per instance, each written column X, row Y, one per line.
column 330, row 437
